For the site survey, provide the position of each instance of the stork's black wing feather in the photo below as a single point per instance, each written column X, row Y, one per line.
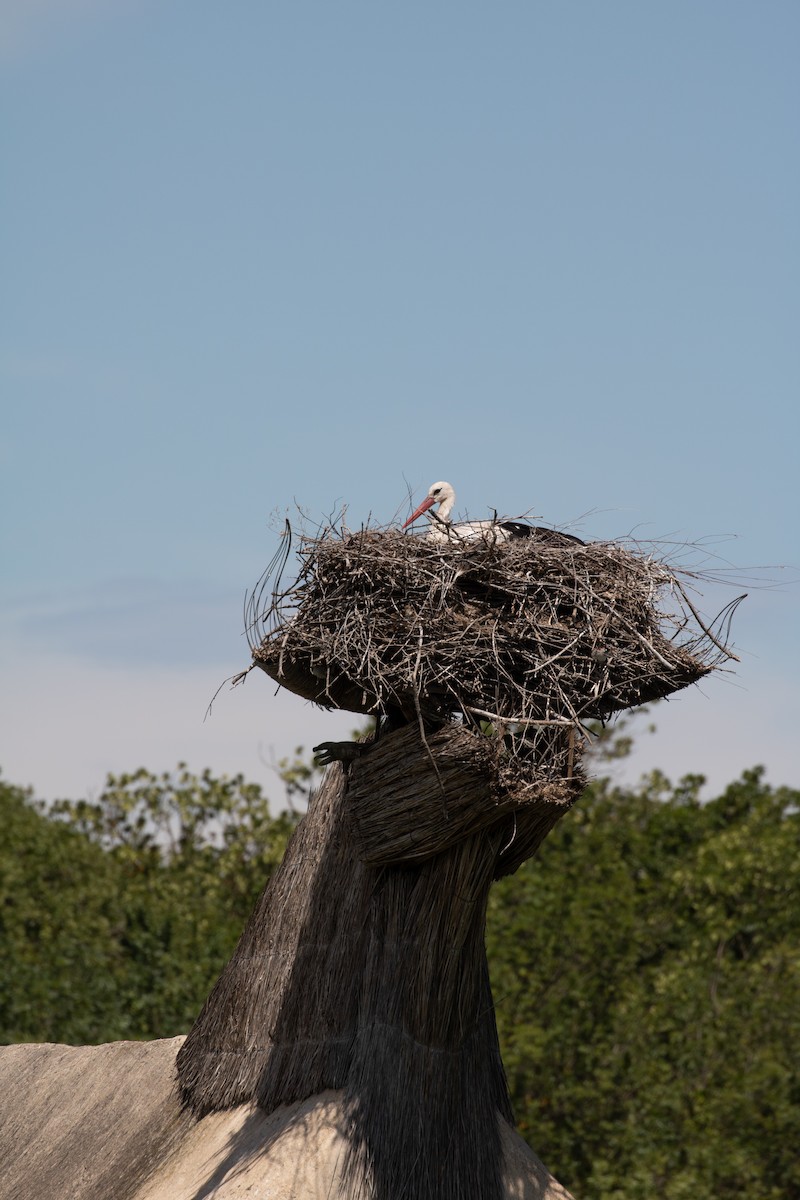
column 550, row 537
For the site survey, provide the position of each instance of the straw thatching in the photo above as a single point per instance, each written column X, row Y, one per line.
column 363, row 965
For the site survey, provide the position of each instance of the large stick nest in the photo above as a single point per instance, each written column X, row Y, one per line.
column 536, row 632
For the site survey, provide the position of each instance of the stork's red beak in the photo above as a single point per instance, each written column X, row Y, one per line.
column 427, row 503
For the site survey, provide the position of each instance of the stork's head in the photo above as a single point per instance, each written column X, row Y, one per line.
column 440, row 493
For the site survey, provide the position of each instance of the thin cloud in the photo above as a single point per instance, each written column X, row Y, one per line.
column 161, row 623
column 67, row 723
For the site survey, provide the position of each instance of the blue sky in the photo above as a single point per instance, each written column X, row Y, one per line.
column 256, row 254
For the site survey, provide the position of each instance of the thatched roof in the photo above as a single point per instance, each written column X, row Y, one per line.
column 104, row 1123
column 533, row 631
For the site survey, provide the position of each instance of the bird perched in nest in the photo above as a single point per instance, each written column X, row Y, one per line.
column 442, row 497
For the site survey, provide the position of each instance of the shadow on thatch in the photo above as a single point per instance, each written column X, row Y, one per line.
column 363, row 965
column 240, row 1150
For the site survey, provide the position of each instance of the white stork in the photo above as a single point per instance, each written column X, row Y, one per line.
column 497, row 530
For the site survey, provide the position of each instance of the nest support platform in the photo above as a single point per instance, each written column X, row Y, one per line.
column 363, row 965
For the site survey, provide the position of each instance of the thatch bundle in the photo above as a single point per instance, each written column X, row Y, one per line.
column 363, row 968
column 409, row 800
column 535, row 631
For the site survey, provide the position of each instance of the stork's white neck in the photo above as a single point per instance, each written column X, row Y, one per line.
column 445, row 498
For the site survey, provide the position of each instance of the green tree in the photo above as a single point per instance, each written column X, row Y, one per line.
column 61, row 914
column 647, row 976
column 117, row 915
